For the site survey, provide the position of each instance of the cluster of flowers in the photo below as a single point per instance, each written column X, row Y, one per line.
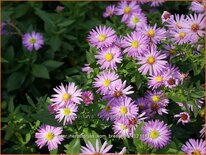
column 124, row 112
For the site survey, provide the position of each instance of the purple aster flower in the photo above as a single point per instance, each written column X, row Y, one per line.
column 184, row 117
column 151, row 62
column 166, row 16
column 180, row 36
column 119, row 41
column 105, row 113
column 136, row 21
column 109, row 12
column 126, row 9
column 66, row 95
column 198, row 6
column 104, row 80
column 124, row 108
column 90, row 149
column 67, row 114
column 3, row 28
column 142, row 104
column 51, row 109
column 135, row 44
column 202, row 131
column 102, row 36
column 121, row 129
column 32, row 41
column 87, row 69
column 155, row 3
column 154, row 34
column 109, row 57
column 169, row 50
column 157, row 102
column 195, row 26
column 156, row 134
column 156, row 81
column 49, row 136
column 87, row 97
column 59, row 9
column 176, row 22
column 118, row 89
column 196, row 147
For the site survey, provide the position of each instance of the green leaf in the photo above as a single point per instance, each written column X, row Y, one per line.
column 90, row 57
column 44, row 16
column 55, row 151
column 136, row 139
column 73, row 147
column 15, row 80
column 21, row 10
column 52, row 64
column 40, row 71
column 11, row 104
column 66, row 23
column 91, row 135
column 55, row 43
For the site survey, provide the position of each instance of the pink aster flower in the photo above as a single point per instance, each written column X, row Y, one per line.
column 156, row 134
column 105, row 113
column 109, row 57
column 152, row 62
column 59, row 9
column 87, row 97
column 66, row 95
column 156, row 80
column 193, row 146
column 101, row 37
column 104, row 80
column 87, row 69
column 136, row 21
column 67, row 114
column 126, row 9
column 97, row 149
column 49, row 136
column 195, row 26
column 121, row 129
column 166, row 16
column 32, row 41
column 177, row 22
column 109, row 12
column 118, row 89
column 124, row 108
column 154, row 34
column 184, row 117
column 135, row 44
column 180, row 36
column 198, row 6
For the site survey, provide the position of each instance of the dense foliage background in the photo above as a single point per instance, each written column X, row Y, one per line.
column 28, row 78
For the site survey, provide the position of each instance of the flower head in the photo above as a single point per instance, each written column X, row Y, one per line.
column 87, row 97
column 136, row 21
column 87, row 69
column 198, row 6
column 184, row 117
column 156, row 81
column 105, row 113
column 109, row 12
column 32, row 41
column 49, row 136
column 166, row 16
column 121, row 129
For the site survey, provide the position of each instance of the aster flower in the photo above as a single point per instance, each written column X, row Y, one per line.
column 177, row 22
column 157, row 102
column 118, row 89
column 202, row 131
column 109, row 12
column 184, row 117
column 155, row 3
column 101, row 37
column 90, row 149
column 166, row 16
column 180, row 36
column 51, row 108
column 156, row 134
column 126, row 9
column 136, row 21
column 87, row 69
column 49, row 136
column 124, row 108
column 121, row 128
column 105, row 113
column 156, row 81
column 195, row 26
column 119, row 42
column 135, row 44
column 87, row 97
column 66, row 95
column 109, row 57
column 59, row 9
column 67, row 114
column 154, row 34
column 169, row 50
column 104, row 80
column 196, row 147
column 151, row 62
column 198, row 6
column 142, row 104
column 32, row 41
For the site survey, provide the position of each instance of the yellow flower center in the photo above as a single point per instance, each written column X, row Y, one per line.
column 135, row 20
column 182, row 35
column 49, row 136
column 102, row 37
column 123, row 110
column 106, row 83
column 66, row 111
column 158, row 78
column 154, row 134
column 135, row 44
column 107, row 108
column 155, row 98
column 151, row 33
column 123, row 127
column 127, row 10
column 32, row 40
column 150, row 60
column 66, row 97
column 108, row 56
column 196, row 152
